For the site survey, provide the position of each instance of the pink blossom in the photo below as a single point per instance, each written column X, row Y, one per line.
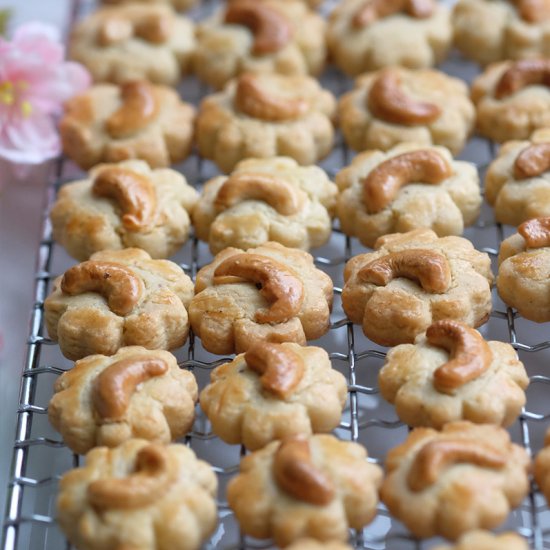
column 34, row 82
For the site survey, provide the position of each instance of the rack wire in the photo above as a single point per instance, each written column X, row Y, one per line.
column 40, row 458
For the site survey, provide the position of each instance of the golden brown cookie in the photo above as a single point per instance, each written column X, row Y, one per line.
column 409, row 187
column 270, row 293
column 137, row 120
column 134, row 42
column 266, row 200
column 178, row 4
column 264, row 116
column 484, row 540
column 512, row 99
column 488, row 30
column 358, row 34
column 542, row 468
column 465, row 477
column 451, row 373
column 119, row 298
column 517, row 183
column 260, row 36
column 134, row 393
column 315, row 487
column 312, row 544
column 414, row 279
column 397, row 105
column 274, row 391
column 124, row 205
column 138, row 495
column 523, row 279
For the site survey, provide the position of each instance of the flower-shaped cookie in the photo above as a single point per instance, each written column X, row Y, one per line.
column 134, row 393
column 178, row 4
column 407, row 188
column 124, row 205
column 485, row 540
column 513, row 99
column 266, row 115
column 270, row 293
column 467, row 476
column 274, row 391
column 523, row 279
column 266, row 200
column 137, row 120
column 488, row 30
column 119, row 298
column 134, row 42
column 260, row 36
column 542, row 468
column 358, row 32
column 138, row 495
column 451, row 373
column 398, row 105
column 517, row 182
column 414, row 279
column 316, row 487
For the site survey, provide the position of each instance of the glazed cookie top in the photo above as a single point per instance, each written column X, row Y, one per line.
column 123, row 205
column 485, row 540
column 266, row 200
column 133, row 42
column 137, row 120
column 260, row 36
column 398, row 105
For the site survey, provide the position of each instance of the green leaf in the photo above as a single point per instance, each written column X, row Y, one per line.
column 4, row 20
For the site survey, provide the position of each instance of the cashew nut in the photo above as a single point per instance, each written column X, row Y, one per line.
column 252, row 100
column 296, row 474
column 155, row 28
column 533, row 11
column 438, row 455
column 279, row 284
column 115, row 385
column 429, row 268
column 533, row 161
column 470, row 355
column 114, row 30
column 276, row 192
column 387, row 101
column 521, row 74
column 271, row 30
column 120, row 286
column 536, row 232
column 383, row 183
column 372, row 10
column 133, row 192
column 281, row 369
column 139, row 107
column 151, row 479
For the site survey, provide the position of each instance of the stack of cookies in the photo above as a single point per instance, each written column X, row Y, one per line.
column 421, row 289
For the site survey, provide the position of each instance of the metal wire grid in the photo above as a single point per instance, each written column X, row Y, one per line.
column 40, row 458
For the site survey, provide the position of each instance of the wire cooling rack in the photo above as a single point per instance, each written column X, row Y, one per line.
column 40, row 457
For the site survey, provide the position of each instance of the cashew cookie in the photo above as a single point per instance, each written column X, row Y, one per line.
column 397, row 105
column 523, row 279
column 484, row 540
column 134, row 42
column 358, row 32
column 517, row 183
column 264, row 116
column 412, row 280
column 258, row 37
column 316, row 487
column 119, row 298
column 270, row 293
column 178, row 4
column 513, row 99
column 137, row 120
column 451, row 373
column 409, row 187
column 134, row 393
column 124, row 205
column 266, row 200
column 138, row 495
column 274, row 391
column 488, row 31
column 465, row 477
